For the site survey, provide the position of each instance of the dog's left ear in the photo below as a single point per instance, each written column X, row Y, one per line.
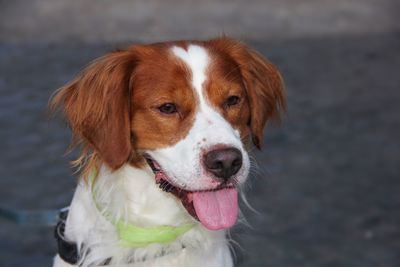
column 263, row 82
column 97, row 107
column 265, row 90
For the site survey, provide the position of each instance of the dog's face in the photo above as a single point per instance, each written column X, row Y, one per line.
column 188, row 108
column 201, row 109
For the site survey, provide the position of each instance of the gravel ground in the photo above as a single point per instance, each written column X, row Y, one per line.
column 327, row 187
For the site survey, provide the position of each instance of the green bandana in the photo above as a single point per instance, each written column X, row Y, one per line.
column 134, row 236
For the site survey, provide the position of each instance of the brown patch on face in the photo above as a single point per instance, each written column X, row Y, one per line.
column 224, row 81
column 161, row 78
column 261, row 79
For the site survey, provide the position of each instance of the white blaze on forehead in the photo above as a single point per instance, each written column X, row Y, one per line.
column 197, row 60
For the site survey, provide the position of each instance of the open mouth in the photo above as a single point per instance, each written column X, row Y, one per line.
column 216, row 208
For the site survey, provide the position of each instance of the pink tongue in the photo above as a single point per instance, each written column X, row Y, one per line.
column 216, row 209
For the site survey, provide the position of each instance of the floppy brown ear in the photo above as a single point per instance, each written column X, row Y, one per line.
column 97, row 107
column 265, row 90
column 263, row 82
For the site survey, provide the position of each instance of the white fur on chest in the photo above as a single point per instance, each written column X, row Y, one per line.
column 131, row 194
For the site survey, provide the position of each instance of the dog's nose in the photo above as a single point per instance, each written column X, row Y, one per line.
column 223, row 163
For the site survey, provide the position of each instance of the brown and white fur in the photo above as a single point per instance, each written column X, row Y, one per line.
column 173, row 102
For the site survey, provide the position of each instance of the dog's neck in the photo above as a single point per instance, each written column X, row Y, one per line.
column 129, row 194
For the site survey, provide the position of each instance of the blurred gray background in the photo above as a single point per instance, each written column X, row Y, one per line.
column 328, row 188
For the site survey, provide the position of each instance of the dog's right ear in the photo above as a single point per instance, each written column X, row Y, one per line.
column 97, row 106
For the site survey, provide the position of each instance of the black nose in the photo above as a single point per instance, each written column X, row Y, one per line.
column 223, row 163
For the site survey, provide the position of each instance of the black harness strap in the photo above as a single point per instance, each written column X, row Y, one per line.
column 67, row 250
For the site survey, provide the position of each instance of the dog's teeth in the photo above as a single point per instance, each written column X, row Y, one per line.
column 163, row 185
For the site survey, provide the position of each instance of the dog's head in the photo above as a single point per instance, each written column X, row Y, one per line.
column 189, row 108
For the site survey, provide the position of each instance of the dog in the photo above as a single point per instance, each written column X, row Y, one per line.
column 164, row 131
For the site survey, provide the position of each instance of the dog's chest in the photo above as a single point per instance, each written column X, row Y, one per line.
column 87, row 228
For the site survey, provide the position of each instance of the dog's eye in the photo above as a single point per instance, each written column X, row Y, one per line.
column 232, row 100
column 168, row 108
